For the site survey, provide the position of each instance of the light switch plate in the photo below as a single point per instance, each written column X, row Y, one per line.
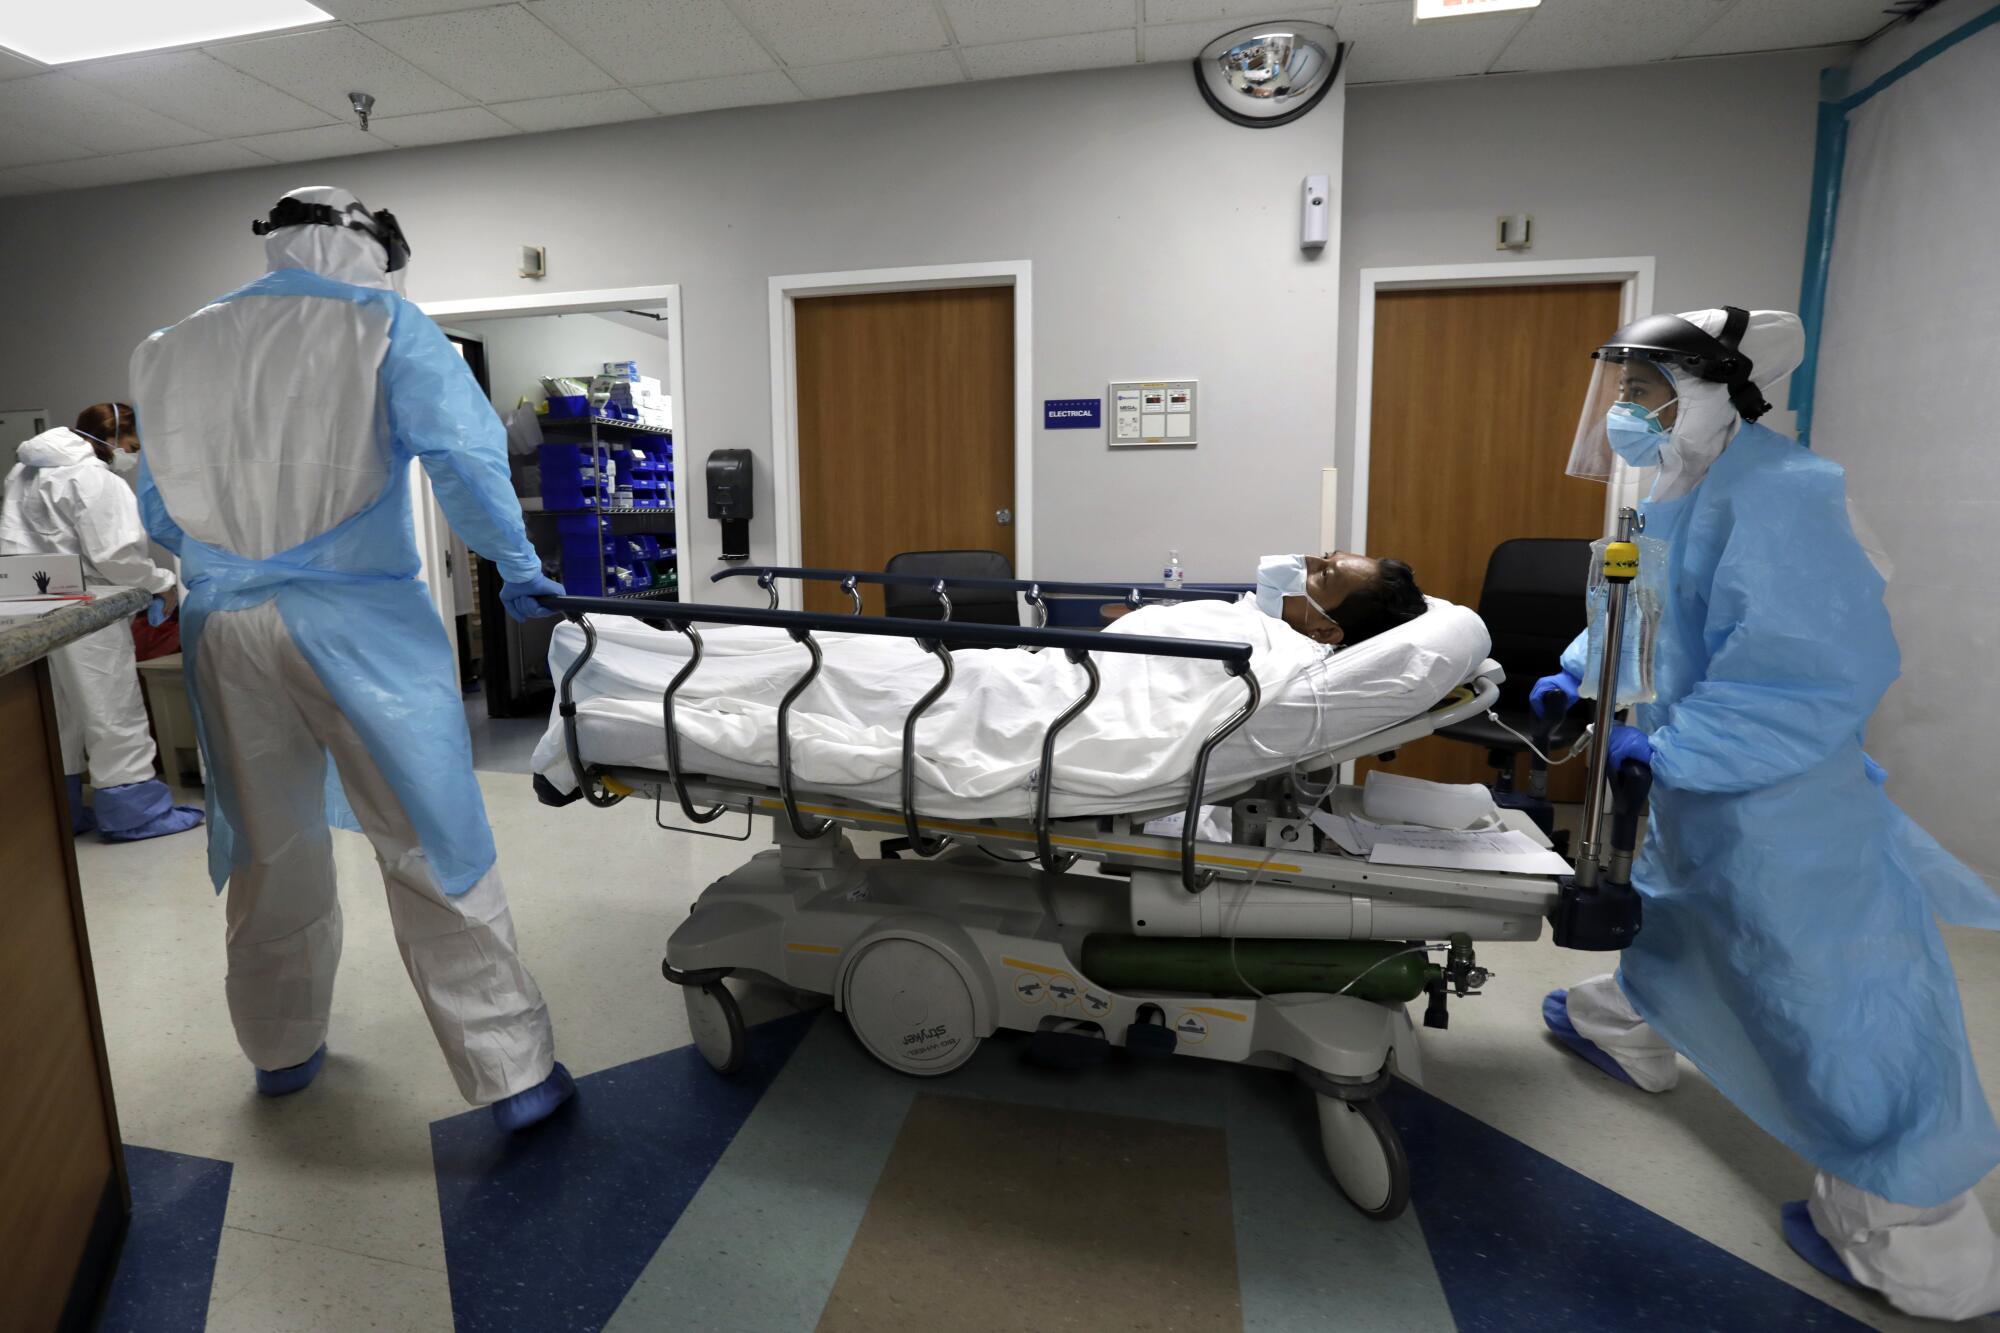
column 1147, row 413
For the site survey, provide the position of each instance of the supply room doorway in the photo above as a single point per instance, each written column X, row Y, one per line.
column 1471, row 405
column 902, row 421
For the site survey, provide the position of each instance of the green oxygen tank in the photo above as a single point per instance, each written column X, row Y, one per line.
column 1381, row 970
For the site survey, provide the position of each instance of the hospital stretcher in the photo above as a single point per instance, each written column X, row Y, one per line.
column 1088, row 932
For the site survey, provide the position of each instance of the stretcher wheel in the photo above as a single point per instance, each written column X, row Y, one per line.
column 1366, row 1156
column 910, row 1007
column 716, row 1021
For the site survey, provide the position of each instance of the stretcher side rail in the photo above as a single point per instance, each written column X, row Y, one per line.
column 934, row 636
column 1033, row 591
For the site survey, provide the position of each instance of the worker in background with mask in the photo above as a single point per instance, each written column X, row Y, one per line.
column 1789, row 946
column 63, row 499
column 280, row 423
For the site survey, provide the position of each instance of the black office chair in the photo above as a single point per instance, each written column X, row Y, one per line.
column 978, row 606
column 1533, row 606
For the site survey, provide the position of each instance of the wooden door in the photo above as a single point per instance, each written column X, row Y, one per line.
column 1476, row 395
column 906, row 428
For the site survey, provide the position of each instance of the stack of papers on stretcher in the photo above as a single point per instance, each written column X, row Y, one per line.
column 1503, row 850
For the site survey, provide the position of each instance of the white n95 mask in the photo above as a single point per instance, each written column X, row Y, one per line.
column 1282, row 576
column 1279, row 577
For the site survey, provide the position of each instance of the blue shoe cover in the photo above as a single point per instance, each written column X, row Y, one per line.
column 82, row 819
column 537, row 1103
column 1555, row 1013
column 1809, row 1245
column 281, row 1082
column 141, row 810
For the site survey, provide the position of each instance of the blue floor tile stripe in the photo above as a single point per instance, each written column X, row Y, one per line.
column 167, row 1264
column 550, row 1228
column 1521, row 1241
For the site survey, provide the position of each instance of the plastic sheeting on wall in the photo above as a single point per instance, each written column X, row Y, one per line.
column 1908, row 352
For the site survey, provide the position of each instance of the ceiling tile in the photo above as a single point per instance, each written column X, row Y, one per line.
column 1593, row 34
column 468, row 122
column 15, row 67
column 1229, row 11
column 21, row 147
column 59, row 107
column 21, row 182
column 810, row 32
column 644, row 41
column 1183, row 41
column 201, row 91
column 1773, row 25
column 1388, row 45
column 87, row 172
column 879, row 76
column 1047, row 55
column 574, row 111
column 310, row 145
column 975, row 22
column 323, row 67
column 675, row 99
column 492, row 54
column 361, row 11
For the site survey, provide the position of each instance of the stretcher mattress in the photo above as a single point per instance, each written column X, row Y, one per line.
column 979, row 746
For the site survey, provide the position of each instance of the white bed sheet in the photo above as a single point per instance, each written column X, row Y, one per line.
column 979, row 746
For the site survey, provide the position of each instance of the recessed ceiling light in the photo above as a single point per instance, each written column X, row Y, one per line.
column 1458, row 9
column 60, row 33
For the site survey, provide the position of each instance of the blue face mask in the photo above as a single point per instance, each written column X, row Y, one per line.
column 1635, row 433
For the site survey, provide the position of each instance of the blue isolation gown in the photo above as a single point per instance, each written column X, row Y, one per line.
column 350, row 596
column 1790, row 947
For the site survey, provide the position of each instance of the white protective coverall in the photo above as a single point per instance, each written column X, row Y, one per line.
column 280, row 424
column 63, row 500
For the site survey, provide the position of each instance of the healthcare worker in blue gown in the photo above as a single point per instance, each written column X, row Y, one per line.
column 1790, row 947
column 280, row 422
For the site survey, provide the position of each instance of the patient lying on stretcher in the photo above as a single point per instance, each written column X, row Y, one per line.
column 978, row 747
column 1338, row 599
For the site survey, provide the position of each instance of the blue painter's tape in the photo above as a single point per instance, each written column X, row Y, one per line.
column 1072, row 413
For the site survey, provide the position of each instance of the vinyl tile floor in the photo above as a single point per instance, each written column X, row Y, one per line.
column 333, row 1211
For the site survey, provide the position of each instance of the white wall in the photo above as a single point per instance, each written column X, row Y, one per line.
column 1164, row 242
column 522, row 349
column 1705, row 165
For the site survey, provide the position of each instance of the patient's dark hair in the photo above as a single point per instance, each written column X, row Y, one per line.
column 1392, row 599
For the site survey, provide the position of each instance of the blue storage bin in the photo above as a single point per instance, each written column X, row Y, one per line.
column 568, row 405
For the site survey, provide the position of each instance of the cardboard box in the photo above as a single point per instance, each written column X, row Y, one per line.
column 40, row 576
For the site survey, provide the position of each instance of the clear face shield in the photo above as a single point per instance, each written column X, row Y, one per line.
column 1628, row 414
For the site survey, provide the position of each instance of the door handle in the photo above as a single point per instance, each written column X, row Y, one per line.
column 1003, row 516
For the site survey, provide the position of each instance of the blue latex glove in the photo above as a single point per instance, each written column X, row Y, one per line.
column 1554, row 696
column 156, row 613
column 1629, row 745
column 519, row 598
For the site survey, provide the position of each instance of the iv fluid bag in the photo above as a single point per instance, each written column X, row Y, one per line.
column 1642, row 622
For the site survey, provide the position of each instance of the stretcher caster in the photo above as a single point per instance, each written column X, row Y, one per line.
column 1365, row 1155
column 716, row 1021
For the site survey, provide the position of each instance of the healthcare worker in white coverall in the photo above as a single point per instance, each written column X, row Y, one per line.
column 1789, row 946
column 63, row 497
column 280, row 423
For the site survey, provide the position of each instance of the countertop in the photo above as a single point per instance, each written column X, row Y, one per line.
column 29, row 638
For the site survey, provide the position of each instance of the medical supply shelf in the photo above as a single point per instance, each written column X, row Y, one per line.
column 613, row 511
column 613, row 423
column 623, row 469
